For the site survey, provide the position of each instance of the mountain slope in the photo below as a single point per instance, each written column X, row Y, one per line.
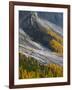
column 40, row 39
column 33, row 49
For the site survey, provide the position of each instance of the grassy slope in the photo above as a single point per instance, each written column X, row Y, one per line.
column 31, row 68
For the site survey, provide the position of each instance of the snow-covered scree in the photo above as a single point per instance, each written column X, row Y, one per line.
column 37, row 51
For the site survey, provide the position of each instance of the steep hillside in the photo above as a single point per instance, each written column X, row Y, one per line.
column 40, row 46
column 43, row 32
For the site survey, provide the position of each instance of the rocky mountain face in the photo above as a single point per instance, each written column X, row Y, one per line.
column 56, row 18
column 35, row 27
column 34, row 36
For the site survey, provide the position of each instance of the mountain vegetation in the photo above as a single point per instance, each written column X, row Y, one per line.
column 55, row 41
column 31, row 68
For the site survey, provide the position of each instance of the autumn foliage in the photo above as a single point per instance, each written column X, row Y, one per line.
column 55, row 42
column 31, row 68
